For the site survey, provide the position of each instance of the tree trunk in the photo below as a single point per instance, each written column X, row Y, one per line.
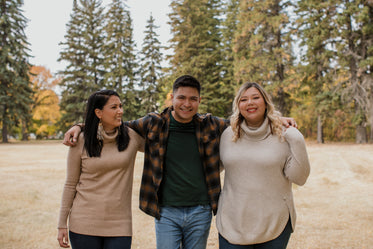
column 361, row 129
column 5, row 127
column 361, row 134
column 5, row 133
column 280, row 102
column 24, row 131
column 370, row 139
column 370, row 118
column 320, row 132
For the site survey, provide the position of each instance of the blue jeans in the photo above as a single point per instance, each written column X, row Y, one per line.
column 183, row 227
column 81, row 241
column 278, row 243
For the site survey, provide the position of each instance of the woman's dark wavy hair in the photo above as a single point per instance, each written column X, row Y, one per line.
column 92, row 145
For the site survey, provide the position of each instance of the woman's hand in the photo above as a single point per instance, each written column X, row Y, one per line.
column 287, row 122
column 63, row 237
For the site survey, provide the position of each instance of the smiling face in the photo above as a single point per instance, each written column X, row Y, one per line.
column 111, row 114
column 185, row 101
column 252, row 107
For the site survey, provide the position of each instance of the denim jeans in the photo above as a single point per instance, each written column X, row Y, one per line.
column 278, row 243
column 183, row 227
column 81, row 241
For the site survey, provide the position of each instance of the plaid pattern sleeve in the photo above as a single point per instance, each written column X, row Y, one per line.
column 209, row 129
column 155, row 128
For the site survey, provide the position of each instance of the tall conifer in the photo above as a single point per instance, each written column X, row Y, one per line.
column 15, row 87
column 121, row 62
column 366, row 64
column 355, row 57
column 83, row 52
column 315, row 28
column 196, row 43
column 263, row 48
column 151, row 69
column 229, row 29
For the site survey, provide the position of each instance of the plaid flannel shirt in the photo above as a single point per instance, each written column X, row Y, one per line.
column 154, row 127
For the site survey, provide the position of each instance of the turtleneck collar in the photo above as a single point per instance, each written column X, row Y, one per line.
column 110, row 136
column 256, row 133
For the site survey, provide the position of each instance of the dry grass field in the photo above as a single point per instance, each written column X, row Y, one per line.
column 335, row 207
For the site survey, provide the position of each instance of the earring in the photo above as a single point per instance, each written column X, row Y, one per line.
column 100, row 130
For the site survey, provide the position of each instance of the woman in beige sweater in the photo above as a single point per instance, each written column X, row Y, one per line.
column 261, row 161
column 96, row 200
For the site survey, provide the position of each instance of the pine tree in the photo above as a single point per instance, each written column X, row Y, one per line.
column 15, row 87
column 355, row 58
column 366, row 64
column 151, row 69
column 83, row 52
column 315, row 27
column 196, row 43
column 121, row 62
column 262, row 48
column 229, row 29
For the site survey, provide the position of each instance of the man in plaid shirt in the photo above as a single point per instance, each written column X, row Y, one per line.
column 181, row 179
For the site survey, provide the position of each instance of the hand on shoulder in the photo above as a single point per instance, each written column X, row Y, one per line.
column 71, row 136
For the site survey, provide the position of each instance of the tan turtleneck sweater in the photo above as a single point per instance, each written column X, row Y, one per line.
column 97, row 194
column 257, row 200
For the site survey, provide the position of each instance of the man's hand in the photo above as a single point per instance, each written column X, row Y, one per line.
column 63, row 238
column 71, row 136
column 287, row 122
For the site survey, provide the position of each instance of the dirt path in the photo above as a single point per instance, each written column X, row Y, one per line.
column 334, row 208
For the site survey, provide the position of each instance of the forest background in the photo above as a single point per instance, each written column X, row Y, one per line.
column 313, row 57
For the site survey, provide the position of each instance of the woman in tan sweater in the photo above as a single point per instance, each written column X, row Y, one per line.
column 261, row 161
column 96, row 200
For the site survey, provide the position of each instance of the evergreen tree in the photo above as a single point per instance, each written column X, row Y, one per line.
column 121, row 62
column 315, row 27
column 355, row 57
column 83, row 52
column 196, row 43
column 15, row 87
column 366, row 64
column 262, row 48
column 229, row 29
column 151, row 70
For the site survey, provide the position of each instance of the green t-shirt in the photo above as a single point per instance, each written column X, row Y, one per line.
column 184, row 182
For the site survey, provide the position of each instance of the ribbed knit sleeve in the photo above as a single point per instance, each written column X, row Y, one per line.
column 297, row 168
column 257, row 201
column 72, row 179
column 139, row 141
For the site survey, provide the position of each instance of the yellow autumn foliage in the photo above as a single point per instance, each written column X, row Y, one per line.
column 45, row 111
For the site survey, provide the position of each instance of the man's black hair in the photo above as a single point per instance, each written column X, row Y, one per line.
column 186, row 81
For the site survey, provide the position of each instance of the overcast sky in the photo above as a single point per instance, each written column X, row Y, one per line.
column 48, row 18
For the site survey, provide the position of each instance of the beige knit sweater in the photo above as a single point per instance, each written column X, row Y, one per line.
column 98, row 191
column 257, row 199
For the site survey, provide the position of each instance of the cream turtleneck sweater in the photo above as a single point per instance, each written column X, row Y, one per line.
column 98, row 190
column 257, row 200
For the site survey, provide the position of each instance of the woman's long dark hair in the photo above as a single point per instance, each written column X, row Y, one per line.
column 92, row 145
